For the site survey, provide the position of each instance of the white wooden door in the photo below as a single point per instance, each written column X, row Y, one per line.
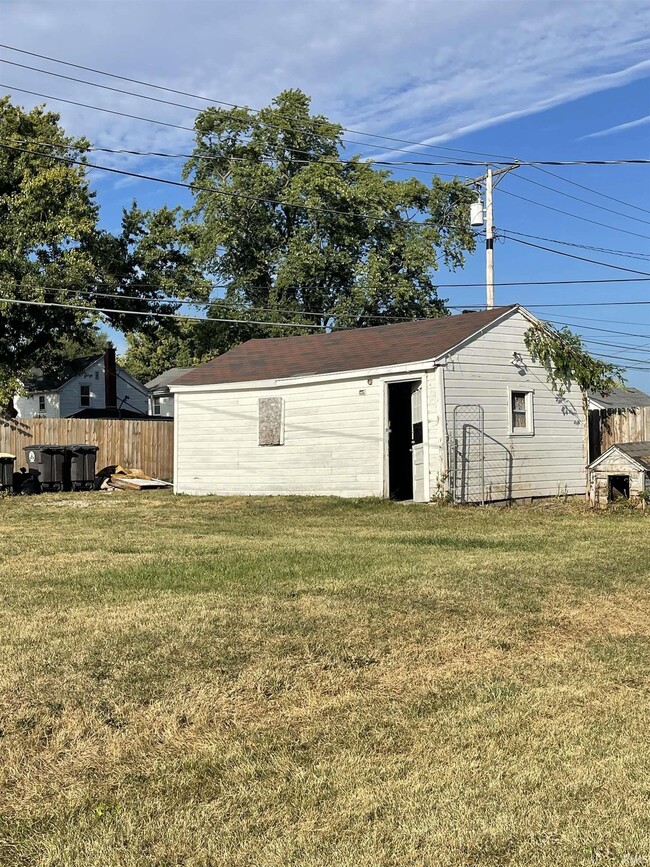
column 417, row 442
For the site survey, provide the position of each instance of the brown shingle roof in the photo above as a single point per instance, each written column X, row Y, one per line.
column 352, row 349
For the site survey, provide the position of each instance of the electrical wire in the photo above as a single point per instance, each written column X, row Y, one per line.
column 579, row 258
column 215, row 191
column 230, row 104
column 569, row 213
column 591, row 190
column 628, row 253
column 521, row 177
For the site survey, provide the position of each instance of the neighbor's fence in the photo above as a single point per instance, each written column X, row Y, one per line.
column 145, row 445
column 610, row 426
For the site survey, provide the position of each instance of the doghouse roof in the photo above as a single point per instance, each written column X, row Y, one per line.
column 638, row 454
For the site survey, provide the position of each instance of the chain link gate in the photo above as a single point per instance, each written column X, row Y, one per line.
column 467, row 454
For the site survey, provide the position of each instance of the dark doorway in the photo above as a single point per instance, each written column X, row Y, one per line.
column 400, row 461
column 619, row 488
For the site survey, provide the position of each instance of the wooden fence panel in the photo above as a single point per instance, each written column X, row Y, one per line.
column 146, row 445
column 624, row 426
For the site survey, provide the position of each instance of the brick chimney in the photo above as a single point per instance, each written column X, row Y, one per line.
column 110, row 378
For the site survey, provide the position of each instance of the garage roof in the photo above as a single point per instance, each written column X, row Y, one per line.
column 337, row 351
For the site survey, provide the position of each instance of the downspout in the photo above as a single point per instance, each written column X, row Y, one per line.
column 442, row 414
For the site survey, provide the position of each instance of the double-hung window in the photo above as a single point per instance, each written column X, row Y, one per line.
column 41, row 403
column 84, row 395
column 521, row 422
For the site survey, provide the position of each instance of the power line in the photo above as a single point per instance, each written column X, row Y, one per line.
column 607, row 330
column 628, row 253
column 579, row 199
column 570, row 214
column 579, row 258
column 156, row 315
column 214, row 191
column 221, row 102
column 591, row 190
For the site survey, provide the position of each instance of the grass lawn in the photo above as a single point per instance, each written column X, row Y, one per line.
column 319, row 682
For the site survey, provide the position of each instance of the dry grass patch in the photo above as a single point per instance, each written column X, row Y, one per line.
column 317, row 682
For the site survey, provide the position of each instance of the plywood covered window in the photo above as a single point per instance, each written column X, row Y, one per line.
column 521, row 412
column 271, row 421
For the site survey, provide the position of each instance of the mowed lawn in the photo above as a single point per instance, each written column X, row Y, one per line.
column 321, row 682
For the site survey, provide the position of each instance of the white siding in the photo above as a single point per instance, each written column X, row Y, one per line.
column 552, row 460
column 27, row 406
column 333, row 441
column 93, row 376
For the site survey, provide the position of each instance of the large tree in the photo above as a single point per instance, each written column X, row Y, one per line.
column 55, row 262
column 291, row 228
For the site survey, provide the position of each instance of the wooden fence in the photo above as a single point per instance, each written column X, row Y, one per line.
column 146, row 445
column 610, row 426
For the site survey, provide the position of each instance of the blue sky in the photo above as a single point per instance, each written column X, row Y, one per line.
column 542, row 80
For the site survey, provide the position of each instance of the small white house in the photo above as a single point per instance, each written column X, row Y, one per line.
column 409, row 411
column 161, row 401
column 93, row 386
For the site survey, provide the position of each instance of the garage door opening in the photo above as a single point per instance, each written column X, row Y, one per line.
column 618, row 488
column 400, row 461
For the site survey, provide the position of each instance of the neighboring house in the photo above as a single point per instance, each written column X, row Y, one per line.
column 623, row 415
column 408, row 411
column 621, row 473
column 91, row 387
column 161, row 401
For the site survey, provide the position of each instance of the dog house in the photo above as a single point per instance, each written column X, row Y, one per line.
column 621, row 473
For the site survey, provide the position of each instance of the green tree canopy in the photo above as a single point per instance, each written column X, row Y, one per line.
column 290, row 228
column 52, row 251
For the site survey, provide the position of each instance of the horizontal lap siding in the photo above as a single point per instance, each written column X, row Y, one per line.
column 549, row 463
column 332, row 441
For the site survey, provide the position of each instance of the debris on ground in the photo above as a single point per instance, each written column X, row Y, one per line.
column 121, row 478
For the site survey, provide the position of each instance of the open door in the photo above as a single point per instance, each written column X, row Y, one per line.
column 405, row 442
column 417, row 442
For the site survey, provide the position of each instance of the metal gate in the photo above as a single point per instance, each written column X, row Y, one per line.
column 467, row 454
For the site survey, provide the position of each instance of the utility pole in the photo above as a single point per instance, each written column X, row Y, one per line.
column 490, row 179
column 489, row 240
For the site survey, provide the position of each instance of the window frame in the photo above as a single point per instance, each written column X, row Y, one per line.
column 529, row 394
column 156, row 405
column 42, row 405
column 82, row 396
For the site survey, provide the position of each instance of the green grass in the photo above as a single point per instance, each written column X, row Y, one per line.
column 320, row 682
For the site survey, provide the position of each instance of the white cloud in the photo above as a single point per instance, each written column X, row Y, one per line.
column 419, row 69
column 621, row 126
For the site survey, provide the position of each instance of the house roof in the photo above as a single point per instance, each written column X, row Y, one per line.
column 37, row 381
column 164, row 379
column 637, row 452
column 337, row 351
column 621, row 398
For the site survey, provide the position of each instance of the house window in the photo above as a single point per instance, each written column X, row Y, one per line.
column 156, row 406
column 41, row 403
column 271, row 421
column 84, row 395
column 521, row 413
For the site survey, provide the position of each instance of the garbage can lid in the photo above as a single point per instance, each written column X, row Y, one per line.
column 5, row 456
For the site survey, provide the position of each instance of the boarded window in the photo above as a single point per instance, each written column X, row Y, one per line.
column 271, row 421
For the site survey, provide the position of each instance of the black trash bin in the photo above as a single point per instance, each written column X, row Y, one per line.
column 82, row 467
column 6, row 471
column 52, row 463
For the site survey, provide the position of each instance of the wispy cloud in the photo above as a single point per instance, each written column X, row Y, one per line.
column 413, row 69
column 620, row 126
